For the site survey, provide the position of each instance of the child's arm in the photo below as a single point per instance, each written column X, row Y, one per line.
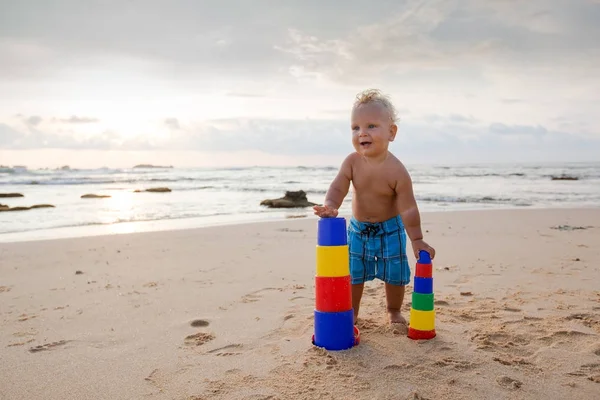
column 337, row 190
column 409, row 212
column 407, row 205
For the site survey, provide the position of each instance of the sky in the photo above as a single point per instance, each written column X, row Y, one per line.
column 233, row 83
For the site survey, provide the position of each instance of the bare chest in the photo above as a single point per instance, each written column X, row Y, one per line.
column 372, row 182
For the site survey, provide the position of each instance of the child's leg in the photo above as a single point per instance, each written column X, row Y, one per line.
column 362, row 268
column 357, row 291
column 394, row 295
column 394, row 271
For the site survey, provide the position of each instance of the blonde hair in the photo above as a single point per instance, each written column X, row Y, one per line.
column 375, row 96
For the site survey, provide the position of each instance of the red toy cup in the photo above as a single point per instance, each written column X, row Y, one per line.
column 423, row 270
column 333, row 294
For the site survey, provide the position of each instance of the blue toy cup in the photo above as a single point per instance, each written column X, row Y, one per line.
column 423, row 285
column 332, row 232
column 334, row 330
column 424, row 257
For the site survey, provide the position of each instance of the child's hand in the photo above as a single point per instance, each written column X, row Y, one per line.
column 419, row 245
column 325, row 211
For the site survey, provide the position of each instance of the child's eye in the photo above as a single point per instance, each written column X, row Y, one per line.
column 355, row 128
column 371, row 126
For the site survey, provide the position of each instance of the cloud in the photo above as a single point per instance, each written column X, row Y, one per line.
column 33, row 138
column 450, row 137
column 464, row 41
column 475, row 74
column 12, row 138
column 439, row 36
column 172, row 123
column 452, row 118
column 8, row 136
column 255, row 39
column 503, row 129
column 79, row 120
column 298, row 137
column 194, row 38
column 34, row 120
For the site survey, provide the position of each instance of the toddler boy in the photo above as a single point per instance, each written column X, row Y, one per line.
column 384, row 209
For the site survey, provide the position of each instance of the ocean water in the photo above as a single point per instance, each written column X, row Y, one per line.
column 204, row 196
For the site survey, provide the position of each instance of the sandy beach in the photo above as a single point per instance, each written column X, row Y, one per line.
column 227, row 313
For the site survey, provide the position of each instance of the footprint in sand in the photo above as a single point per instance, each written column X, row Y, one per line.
column 25, row 317
column 512, row 361
column 298, row 298
column 199, row 323
column 562, row 334
column 466, row 316
column 508, row 383
column 459, row 365
column 227, row 354
column 256, row 295
column 506, row 341
column 198, row 339
column 155, row 378
column 47, row 346
column 589, row 320
column 23, row 334
column 250, row 298
column 226, row 350
column 592, row 371
column 289, row 316
column 398, row 366
column 20, row 343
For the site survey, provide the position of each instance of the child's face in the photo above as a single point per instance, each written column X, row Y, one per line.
column 372, row 129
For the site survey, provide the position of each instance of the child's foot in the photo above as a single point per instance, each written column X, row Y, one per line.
column 396, row 317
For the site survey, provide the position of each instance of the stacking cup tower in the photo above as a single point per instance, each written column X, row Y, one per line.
column 334, row 316
column 422, row 313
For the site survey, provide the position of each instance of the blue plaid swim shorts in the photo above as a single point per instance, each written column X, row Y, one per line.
column 378, row 250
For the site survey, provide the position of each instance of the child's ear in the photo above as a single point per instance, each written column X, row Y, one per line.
column 393, row 131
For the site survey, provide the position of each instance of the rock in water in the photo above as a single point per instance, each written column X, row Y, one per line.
column 295, row 199
column 565, row 178
column 11, row 195
column 152, row 166
column 155, row 190
column 6, row 208
column 95, row 196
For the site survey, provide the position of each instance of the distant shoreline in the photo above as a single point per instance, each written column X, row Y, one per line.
column 112, row 202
